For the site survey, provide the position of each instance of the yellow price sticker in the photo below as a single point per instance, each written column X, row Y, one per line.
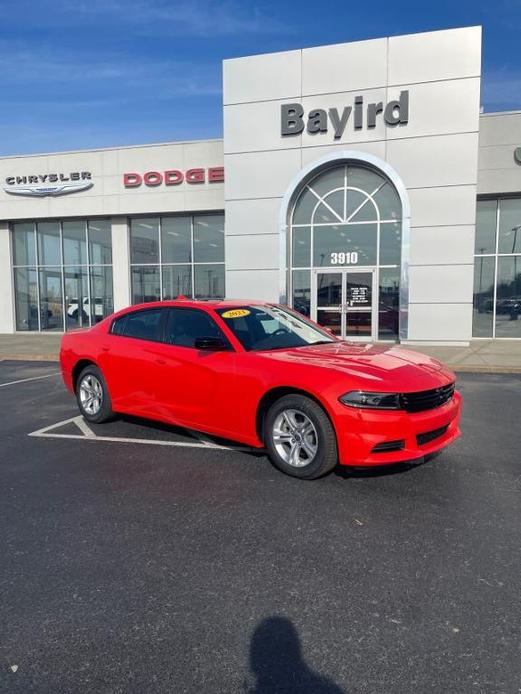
column 236, row 313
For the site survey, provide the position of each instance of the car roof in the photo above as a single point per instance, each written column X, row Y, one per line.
column 196, row 303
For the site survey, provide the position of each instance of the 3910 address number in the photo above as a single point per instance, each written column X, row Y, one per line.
column 344, row 258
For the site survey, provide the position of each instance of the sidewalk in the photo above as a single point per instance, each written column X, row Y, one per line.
column 489, row 356
column 30, row 347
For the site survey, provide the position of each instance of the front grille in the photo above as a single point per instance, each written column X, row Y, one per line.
column 427, row 399
column 388, row 446
column 429, row 436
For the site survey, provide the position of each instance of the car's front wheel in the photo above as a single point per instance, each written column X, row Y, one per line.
column 300, row 438
column 93, row 395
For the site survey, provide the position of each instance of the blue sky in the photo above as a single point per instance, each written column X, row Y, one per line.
column 100, row 73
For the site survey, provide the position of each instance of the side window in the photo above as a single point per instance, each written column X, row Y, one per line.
column 145, row 325
column 118, row 326
column 185, row 325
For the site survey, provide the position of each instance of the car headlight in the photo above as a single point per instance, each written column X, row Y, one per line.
column 373, row 401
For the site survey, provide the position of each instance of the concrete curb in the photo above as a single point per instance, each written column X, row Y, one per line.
column 29, row 357
column 486, row 369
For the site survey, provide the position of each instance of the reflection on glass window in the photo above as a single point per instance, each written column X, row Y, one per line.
column 359, row 207
column 301, row 247
column 483, row 306
column 51, row 299
column 209, row 281
column 177, row 281
column 49, row 251
column 144, row 240
column 509, row 240
column 24, row 248
column 101, row 293
column 56, row 296
column 301, row 283
column 100, row 242
column 145, row 284
column 508, row 298
column 26, row 299
column 331, row 209
column 304, row 207
column 331, row 241
column 76, row 297
column 176, row 242
column 328, row 180
column 389, row 304
column 185, row 256
column 390, row 243
column 388, row 203
column 346, row 217
column 75, row 243
column 497, row 274
column 209, row 238
column 486, row 212
column 364, row 179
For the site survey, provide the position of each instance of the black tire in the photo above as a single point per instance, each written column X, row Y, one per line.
column 104, row 413
column 326, row 456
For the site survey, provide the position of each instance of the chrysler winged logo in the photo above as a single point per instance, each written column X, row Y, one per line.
column 45, row 185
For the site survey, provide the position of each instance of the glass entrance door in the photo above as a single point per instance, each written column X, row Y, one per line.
column 343, row 302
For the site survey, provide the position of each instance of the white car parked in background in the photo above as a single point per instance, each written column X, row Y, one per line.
column 73, row 308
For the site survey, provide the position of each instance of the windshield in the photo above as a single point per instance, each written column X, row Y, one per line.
column 271, row 327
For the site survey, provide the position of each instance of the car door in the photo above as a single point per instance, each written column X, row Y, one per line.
column 128, row 360
column 195, row 387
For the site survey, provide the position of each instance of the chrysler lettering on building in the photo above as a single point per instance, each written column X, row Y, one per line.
column 53, row 184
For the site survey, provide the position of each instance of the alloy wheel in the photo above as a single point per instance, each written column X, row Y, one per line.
column 295, row 437
column 91, row 394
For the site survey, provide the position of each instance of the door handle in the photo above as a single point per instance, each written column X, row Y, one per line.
column 160, row 361
column 105, row 349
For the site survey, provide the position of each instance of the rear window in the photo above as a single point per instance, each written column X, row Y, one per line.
column 144, row 325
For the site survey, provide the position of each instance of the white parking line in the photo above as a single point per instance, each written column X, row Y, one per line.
column 88, row 435
column 24, row 380
column 82, row 424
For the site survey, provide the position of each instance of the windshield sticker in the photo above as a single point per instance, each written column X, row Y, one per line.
column 236, row 313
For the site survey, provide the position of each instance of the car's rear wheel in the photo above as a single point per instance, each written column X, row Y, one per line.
column 300, row 438
column 93, row 395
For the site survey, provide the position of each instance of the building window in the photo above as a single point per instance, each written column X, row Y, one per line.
column 62, row 274
column 497, row 269
column 177, row 255
column 345, row 230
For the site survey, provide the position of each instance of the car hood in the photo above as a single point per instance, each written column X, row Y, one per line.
column 391, row 368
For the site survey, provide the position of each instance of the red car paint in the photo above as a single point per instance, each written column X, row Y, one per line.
column 221, row 392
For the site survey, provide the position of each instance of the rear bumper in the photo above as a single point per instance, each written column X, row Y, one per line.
column 66, row 369
column 360, row 431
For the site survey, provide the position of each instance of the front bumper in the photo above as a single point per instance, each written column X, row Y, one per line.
column 360, row 431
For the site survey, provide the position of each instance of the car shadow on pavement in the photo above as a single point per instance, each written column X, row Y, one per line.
column 277, row 664
column 151, row 428
column 347, row 473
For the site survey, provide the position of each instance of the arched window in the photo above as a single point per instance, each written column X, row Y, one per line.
column 344, row 251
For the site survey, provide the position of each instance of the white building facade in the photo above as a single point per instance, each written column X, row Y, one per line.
column 356, row 182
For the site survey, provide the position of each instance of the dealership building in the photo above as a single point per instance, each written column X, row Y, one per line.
column 358, row 183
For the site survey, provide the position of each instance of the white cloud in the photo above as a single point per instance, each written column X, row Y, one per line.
column 181, row 17
column 22, row 67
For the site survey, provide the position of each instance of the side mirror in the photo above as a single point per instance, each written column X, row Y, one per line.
column 214, row 344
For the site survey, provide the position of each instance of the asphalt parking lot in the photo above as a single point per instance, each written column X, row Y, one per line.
column 139, row 558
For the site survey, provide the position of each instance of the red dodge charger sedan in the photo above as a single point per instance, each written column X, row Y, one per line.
column 264, row 375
